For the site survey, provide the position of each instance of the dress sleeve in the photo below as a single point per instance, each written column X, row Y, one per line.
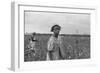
column 60, row 40
column 62, row 50
column 50, row 44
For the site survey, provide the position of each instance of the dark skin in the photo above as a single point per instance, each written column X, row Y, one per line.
column 56, row 31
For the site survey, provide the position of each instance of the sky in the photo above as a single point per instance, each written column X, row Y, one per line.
column 71, row 23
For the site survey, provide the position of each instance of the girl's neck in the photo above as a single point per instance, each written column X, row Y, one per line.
column 55, row 35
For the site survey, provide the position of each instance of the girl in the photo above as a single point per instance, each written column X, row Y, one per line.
column 54, row 46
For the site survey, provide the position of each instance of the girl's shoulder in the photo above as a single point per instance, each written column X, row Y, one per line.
column 51, row 38
column 60, row 37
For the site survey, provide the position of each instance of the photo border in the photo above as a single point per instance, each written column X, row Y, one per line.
column 16, row 63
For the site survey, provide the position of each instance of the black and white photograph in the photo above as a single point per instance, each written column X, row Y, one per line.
column 50, row 36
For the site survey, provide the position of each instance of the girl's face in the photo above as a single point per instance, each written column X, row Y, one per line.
column 56, row 30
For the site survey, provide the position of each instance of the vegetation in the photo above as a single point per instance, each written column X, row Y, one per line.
column 75, row 46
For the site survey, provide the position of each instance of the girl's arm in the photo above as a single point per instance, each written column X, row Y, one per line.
column 62, row 50
column 50, row 45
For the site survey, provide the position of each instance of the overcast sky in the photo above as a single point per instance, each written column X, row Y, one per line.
column 41, row 22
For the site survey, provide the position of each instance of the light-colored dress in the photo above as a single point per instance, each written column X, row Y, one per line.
column 54, row 46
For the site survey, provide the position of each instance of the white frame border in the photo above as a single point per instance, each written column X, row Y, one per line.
column 16, row 64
